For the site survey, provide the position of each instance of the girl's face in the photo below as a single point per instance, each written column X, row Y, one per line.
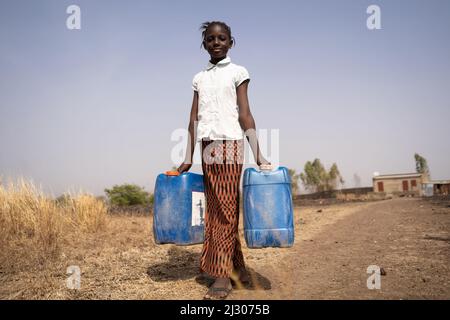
column 217, row 42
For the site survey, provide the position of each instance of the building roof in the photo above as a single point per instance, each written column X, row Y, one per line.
column 398, row 176
column 439, row 182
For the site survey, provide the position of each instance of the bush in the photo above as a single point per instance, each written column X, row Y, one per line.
column 128, row 195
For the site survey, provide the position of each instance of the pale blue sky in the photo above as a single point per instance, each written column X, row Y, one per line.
column 95, row 107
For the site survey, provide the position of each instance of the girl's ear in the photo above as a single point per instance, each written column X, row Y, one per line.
column 204, row 45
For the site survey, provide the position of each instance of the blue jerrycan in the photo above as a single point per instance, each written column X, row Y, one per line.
column 268, row 212
column 179, row 208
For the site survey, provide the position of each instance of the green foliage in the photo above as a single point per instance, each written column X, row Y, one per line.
column 294, row 181
column 128, row 194
column 333, row 178
column 63, row 199
column 421, row 164
column 317, row 178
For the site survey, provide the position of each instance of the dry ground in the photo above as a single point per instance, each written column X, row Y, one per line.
column 334, row 245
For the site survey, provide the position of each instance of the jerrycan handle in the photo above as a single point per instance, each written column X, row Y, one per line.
column 265, row 167
column 172, row 173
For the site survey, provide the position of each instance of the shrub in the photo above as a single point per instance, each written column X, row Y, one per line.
column 128, row 195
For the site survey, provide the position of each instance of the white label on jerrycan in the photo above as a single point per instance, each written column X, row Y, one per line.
column 198, row 208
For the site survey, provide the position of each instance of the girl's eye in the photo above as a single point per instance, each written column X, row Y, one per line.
column 221, row 38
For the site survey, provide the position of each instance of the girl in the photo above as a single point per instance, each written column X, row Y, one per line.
column 219, row 115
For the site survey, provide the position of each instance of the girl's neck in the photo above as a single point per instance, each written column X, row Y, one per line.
column 216, row 60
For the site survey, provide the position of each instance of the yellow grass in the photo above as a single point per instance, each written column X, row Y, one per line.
column 32, row 225
column 86, row 213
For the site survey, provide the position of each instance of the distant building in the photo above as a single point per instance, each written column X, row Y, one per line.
column 398, row 184
column 436, row 187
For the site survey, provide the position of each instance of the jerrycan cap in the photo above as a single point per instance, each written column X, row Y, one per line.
column 172, row 173
column 265, row 167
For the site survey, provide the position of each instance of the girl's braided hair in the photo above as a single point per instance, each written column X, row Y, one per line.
column 205, row 25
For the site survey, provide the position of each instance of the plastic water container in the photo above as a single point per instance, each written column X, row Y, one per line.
column 179, row 208
column 268, row 213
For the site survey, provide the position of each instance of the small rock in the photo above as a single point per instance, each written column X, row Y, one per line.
column 320, row 210
column 382, row 272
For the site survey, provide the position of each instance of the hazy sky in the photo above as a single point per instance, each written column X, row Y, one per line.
column 95, row 107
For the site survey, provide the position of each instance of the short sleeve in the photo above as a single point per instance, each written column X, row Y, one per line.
column 241, row 75
column 195, row 83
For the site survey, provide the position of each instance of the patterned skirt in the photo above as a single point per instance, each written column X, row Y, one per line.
column 222, row 162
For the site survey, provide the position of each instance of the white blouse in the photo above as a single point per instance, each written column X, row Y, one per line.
column 218, row 112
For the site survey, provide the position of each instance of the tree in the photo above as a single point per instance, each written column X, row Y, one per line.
column 128, row 194
column 313, row 175
column 333, row 178
column 317, row 178
column 421, row 164
column 294, row 181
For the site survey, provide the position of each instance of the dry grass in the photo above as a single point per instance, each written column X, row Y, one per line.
column 33, row 226
column 86, row 213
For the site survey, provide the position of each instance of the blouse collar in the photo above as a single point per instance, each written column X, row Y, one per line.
column 221, row 62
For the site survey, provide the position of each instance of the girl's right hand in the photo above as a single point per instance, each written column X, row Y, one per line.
column 184, row 167
column 262, row 161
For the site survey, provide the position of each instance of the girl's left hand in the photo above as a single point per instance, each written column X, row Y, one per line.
column 261, row 161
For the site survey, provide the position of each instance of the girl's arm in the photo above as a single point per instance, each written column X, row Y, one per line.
column 187, row 164
column 248, row 123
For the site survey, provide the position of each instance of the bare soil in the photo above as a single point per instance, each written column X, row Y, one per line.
column 334, row 245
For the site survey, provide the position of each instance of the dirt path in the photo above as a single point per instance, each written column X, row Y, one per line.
column 409, row 238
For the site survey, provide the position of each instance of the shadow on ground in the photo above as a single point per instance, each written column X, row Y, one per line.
column 257, row 281
column 182, row 265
